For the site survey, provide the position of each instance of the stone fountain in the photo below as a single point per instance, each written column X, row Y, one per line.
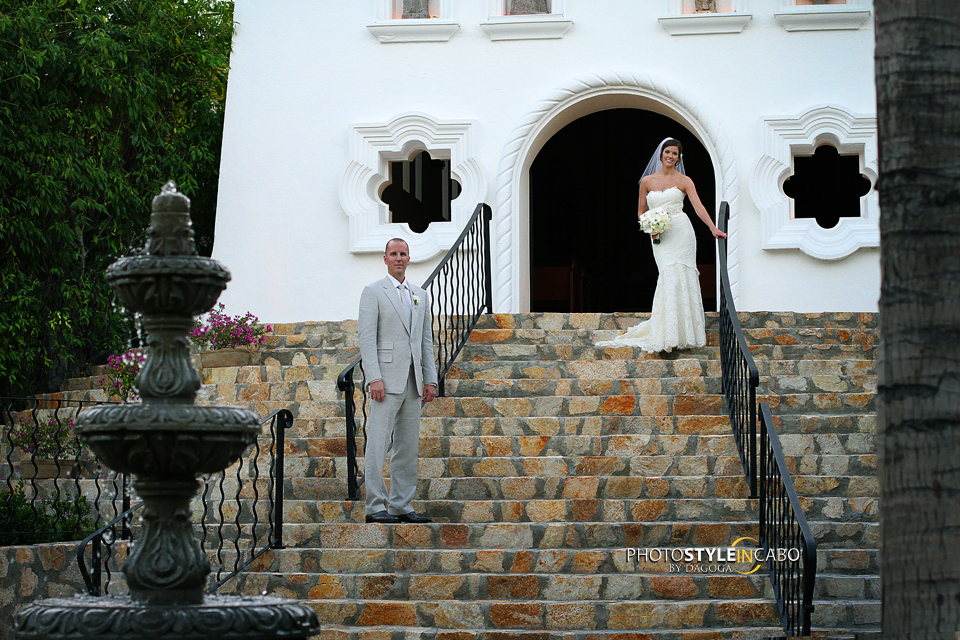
column 166, row 443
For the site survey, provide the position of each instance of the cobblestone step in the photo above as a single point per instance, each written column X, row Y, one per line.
column 527, row 387
column 626, row 584
column 552, row 535
column 305, row 508
column 341, row 632
column 538, row 426
column 748, row 320
column 547, row 353
column 831, row 563
column 654, row 368
column 623, row 615
column 394, row 579
column 782, row 336
column 508, row 388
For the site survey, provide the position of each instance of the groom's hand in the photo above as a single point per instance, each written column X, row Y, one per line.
column 429, row 393
column 376, row 390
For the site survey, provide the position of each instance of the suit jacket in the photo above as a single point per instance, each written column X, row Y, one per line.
column 389, row 344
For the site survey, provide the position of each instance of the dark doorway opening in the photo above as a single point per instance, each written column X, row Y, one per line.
column 587, row 253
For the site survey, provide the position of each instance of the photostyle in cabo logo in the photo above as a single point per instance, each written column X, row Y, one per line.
column 737, row 558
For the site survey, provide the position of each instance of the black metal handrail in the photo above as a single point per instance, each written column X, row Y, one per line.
column 740, row 375
column 783, row 525
column 252, row 521
column 461, row 290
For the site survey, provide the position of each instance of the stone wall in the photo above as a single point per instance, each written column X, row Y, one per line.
column 35, row 572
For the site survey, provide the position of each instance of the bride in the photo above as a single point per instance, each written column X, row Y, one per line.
column 677, row 319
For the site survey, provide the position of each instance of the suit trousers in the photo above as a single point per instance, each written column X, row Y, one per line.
column 396, row 418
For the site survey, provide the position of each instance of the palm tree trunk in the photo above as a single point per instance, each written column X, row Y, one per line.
column 918, row 108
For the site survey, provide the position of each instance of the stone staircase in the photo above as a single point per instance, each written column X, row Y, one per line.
column 548, row 459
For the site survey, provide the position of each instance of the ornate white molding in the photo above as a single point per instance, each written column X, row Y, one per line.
column 414, row 30
column 822, row 17
column 374, row 146
column 526, row 27
column 786, row 137
column 702, row 23
column 671, row 99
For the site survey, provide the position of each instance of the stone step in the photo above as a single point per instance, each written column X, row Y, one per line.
column 526, row 446
column 848, row 561
column 825, row 422
column 833, row 562
column 342, row 632
column 624, row 615
column 748, row 320
column 693, row 404
column 305, row 508
column 628, row 583
column 834, row 425
column 755, row 336
column 577, row 445
column 549, row 353
column 681, row 367
column 299, row 356
column 526, row 387
column 603, row 537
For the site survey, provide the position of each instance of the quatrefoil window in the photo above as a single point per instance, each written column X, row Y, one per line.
column 826, row 186
column 420, row 191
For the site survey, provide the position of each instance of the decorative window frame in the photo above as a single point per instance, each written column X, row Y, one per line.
column 786, row 137
column 822, row 17
column 390, row 30
column 545, row 26
column 678, row 23
column 374, row 146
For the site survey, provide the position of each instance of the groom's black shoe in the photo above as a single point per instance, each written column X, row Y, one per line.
column 382, row 517
column 413, row 518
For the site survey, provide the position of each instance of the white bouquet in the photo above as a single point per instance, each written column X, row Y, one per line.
column 655, row 222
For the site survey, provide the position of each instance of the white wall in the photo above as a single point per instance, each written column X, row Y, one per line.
column 303, row 73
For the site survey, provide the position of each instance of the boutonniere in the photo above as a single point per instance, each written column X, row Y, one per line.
column 416, row 299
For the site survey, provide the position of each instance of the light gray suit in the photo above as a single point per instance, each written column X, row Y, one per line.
column 399, row 351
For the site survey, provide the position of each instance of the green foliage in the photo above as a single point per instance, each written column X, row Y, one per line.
column 101, row 102
column 42, row 521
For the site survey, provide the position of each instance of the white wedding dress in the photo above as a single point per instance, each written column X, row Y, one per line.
column 677, row 319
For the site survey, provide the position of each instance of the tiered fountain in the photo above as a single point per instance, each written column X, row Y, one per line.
column 166, row 443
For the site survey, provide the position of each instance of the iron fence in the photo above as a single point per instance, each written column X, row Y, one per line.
column 239, row 516
column 784, row 527
column 783, row 524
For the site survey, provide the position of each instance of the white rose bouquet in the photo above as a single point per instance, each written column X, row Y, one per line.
column 655, row 222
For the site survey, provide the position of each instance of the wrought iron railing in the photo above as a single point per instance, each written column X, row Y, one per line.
column 783, row 525
column 740, row 375
column 236, row 525
column 52, row 489
column 461, row 290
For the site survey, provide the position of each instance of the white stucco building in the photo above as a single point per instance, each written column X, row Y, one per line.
column 550, row 119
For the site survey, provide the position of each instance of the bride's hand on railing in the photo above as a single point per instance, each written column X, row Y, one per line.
column 717, row 233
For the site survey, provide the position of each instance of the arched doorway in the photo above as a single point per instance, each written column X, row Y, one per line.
column 586, row 251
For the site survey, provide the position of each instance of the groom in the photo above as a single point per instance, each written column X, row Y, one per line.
column 395, row 331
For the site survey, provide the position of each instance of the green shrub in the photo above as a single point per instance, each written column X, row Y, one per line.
column 43, row 521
